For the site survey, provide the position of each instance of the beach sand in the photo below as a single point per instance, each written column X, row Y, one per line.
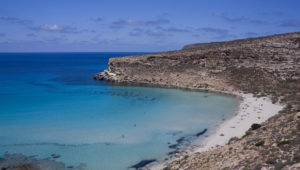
column 251, row 110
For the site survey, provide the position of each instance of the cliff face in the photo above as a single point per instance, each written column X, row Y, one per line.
column 219, row 66
column 266, row 66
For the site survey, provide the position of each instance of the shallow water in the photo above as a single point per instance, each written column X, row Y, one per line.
column 49, row 104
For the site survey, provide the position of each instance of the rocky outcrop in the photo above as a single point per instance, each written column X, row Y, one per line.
column 275, row 145
column 213, row 66
column 266, row 66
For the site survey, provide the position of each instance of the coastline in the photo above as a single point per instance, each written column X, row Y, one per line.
column 263, row 66
column 250, row 110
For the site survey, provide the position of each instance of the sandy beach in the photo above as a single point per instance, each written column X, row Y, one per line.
column 251, row 110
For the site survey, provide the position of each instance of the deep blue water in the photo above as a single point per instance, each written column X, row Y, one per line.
column 49, row 104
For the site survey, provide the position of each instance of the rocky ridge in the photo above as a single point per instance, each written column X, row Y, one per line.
column 267, row 66
column 214, row 67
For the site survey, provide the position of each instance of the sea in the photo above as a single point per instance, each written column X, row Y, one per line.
column 51, row 105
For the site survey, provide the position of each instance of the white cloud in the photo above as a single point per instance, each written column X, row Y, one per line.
column 130, row 22
column 56, row 28
column 51, row 27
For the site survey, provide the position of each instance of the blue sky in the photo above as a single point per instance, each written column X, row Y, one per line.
column 138, row 25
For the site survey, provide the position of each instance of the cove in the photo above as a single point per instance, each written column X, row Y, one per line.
column 51, row 108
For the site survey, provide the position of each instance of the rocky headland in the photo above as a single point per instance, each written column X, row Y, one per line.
column 266, row 67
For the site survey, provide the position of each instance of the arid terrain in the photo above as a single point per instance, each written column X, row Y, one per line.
column 265, row 67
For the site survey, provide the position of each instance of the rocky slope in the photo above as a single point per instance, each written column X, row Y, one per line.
column 275, row 145
column 266, row 66
column 235, row 65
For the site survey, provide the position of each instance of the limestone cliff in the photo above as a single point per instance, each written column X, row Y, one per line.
column 259, row 62
column 266, row 66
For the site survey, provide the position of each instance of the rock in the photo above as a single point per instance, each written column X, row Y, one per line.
column 55, row 156
column 201, row 133
column 143, row 163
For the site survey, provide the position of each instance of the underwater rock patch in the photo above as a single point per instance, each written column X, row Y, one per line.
column 20, row 161
column 142, row 163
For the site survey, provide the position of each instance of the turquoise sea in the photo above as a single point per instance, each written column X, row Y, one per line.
column 49, row 104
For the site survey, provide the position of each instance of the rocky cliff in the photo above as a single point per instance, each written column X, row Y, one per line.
column 265, row 66
column 238, row 65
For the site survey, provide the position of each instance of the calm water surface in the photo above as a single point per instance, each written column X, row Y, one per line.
column 49, row 104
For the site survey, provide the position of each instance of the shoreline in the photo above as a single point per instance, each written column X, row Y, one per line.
column 250, row 110
column 266, row 66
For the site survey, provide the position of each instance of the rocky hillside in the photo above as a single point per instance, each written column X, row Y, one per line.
column 275, row 145
column 266, row 66
column 263, row 66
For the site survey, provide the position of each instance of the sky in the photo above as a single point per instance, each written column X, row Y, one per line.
column 138, row 25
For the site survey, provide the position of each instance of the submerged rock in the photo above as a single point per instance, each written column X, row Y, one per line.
column 143, row 163
column 201, row 133
column 186, row 140
column 22, row 162
column 55, row 156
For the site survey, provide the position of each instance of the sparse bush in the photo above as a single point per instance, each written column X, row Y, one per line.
column 285, row 142
column 274, row 100
column 296, row 159
column 261, row 95
column 261, row 143
column 247, row 134
column 255, row 126
column 287, row 109
column 278, row 167
column 233, row 139
column 270, row 161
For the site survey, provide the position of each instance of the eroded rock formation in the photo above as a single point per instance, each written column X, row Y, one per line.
column 266, row 66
